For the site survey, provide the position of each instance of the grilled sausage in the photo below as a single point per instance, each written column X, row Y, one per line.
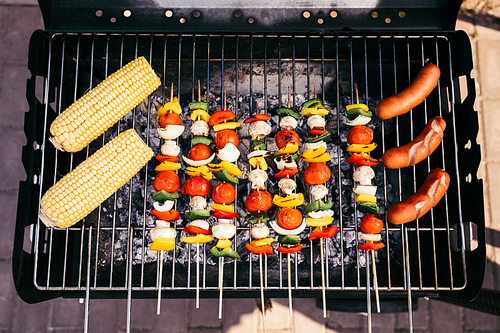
column 413, row 95
column 417, row 150
column 427, row 196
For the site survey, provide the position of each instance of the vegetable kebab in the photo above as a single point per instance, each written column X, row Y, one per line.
column 360, row 143
column 226, row 141
column 316, row 175
column 289, row 222
column 198, row 187
column 166, row 182
column 259, row 200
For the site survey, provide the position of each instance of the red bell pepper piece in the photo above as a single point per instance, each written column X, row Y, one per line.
column 257, row 117
column 220, row 117
column 193, row 230
column 167, row 158
column 286, row 171
column 220, row 214
column 293, row 249
column 371, row 246
column 266, row 249
column 361, row 159
column 323, row 232
column 317, row 131
column 169, row 215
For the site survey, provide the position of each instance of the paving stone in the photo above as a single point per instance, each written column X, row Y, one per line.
column 207, row 315
column 8, row 208
column 239, row 315
column 19, row 32
column 344, row 320
column 173, row 316
column 420, row 317
column 13, row 96
column 381, row 322
column 4, row 11
column 141, row 317
column 489, row 68
column 445, row 317
column 278, row 317
column 491, row 128
column 11, row 168
column 307, row 317
column 479, row 321
column 67, row 313
column 31, row 318
column 103, row 315
column 8, row 296
column 205, row 330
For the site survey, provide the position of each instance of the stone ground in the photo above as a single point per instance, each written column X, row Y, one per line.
column 17, row 22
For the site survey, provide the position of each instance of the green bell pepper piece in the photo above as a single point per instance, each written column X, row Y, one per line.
column 196, row 214
column 258, row 145
column 368, row 208
column 257, row 217
column 319, row 205
column 327, row 136
column 163, row 195
column 201, row 139
column 224, row 176
column 289, row 239
column 282, row 112
column 226, row 252
column 198, row 105
column 354, row 113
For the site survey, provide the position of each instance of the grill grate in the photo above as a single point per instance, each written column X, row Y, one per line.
column 109, row 251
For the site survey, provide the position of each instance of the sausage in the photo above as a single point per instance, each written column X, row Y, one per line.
column 427, row 78
column 417, row 150
column 418, row 204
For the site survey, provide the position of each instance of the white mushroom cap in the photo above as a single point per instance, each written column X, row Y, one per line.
column 198, row 202
column 363, row 175
column 318, row 192
column 288, row 123
column 162, row 229
column 200, row 127
column 170, row 148
column 258, row 178
column 224, row 230
column 260, row 231
column 287, row 185
column 259, row 129
column 316, row 121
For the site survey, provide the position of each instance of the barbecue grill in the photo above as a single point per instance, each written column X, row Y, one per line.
column 255, row 51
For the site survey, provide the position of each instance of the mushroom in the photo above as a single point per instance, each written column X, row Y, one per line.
column 198, row 202
column 260, row 231
column 363, row 175
column 170, row 148
column 223, row 230
column 318, row 192
column 200, row 128
column 258, row 178
column 287, row 185
column 316, row 121
column 162, row 229
column 288, row 123
column 259, row 129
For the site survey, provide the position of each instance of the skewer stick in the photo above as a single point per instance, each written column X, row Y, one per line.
column 314, row 91
column 288, row 97
column 224, row 97
column 256, row 108
column 323, row 293
column 356, row 91
column 263, row 308
column 290, row 310
column 375, row 280
column 172, row 92
column 368, row 295
column 199, row 91
column 158, row 304
column 197, row 275
column 221, row 285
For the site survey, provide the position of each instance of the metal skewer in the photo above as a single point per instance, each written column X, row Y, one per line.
column 197, row 275
column 368, row 295
column 290, row 310
column 263, row 308
column 158, row 304
column 375, row 281
column 221, row 284
column 323, row 293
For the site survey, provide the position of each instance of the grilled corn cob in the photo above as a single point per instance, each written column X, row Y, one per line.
column 100, row 108
column 82, row 190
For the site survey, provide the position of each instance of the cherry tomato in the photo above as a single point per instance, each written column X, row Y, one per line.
column 285, row 136
column 258, row 201
column 360, row 134
column 224, row 193
column 196, row 186
column 169, row 118
column 371, row 224
column 226, row 136
column 317, row 173
column 289, row 218
column 166, row 180
column 199, row 152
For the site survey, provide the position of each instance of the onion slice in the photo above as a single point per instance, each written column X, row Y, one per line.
column 359, row 120
column 198, row 163
column 229, row 153
column 320, row 213
column 365, row 189
column 166, row 206
column 171, row 132
column 370, row 237
column 315, row 145
column 256, row 153
column 200, row 224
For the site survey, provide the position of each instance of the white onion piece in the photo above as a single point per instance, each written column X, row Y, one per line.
column 315, row 145
column 281, row 163
column 260, row 231
column 166, row 206
column 225, row 221
column 282, row 231
column 359, row 120
column 320, row 213
column 229, row 153
column 198, row 163
column 171, row 132
column 224, row 230
column 203, row 224
column 256, row 153
column 370, row 237
column 365, row 189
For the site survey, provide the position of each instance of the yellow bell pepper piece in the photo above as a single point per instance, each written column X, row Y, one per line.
column 163, row 244
column 231, row 168
column 229, row 125
column 203, row 171
column 258, row 162
column 314, row 111
column 292, row 200
column 223, row 243
column 165, row 166
column 200, row 114
column 362, row 197
column 200, row 238
column 360, row 148
column 225, row 208
column 316, row 155
column 321, row 222
column 288, row 149
column 262, row 242
column 173, row 106
column 355, row 106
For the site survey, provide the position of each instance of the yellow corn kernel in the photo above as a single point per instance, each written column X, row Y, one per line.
column 94, row 180
column 96, row 111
